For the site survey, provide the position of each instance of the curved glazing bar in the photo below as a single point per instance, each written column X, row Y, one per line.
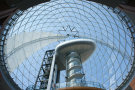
column 5, row 73
column 131, row 27
column 78, row 18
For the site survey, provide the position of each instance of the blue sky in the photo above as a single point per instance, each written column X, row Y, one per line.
column 107, row 65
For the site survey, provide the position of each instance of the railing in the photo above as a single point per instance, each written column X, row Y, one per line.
column 79, row 84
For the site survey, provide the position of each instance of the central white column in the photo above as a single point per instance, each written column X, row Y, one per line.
column 74, row 72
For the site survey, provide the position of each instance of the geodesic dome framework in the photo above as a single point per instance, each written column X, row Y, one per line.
column 28, row 34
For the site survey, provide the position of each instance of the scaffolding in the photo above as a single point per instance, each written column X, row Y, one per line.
column 44, row 72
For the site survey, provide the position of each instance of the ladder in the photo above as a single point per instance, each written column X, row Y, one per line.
column 44, row 72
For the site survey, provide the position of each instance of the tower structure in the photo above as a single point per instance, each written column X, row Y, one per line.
column 68, row 56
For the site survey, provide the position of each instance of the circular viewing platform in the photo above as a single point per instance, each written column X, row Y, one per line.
column 84, row 47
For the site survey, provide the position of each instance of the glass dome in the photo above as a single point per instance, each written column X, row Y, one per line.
column 30, row 33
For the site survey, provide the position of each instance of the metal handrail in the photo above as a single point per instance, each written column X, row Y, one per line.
column 79, row 84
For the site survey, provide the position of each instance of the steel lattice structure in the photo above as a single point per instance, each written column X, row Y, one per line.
column 62, row 20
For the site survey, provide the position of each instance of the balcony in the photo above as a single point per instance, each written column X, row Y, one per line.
column 79, row 84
